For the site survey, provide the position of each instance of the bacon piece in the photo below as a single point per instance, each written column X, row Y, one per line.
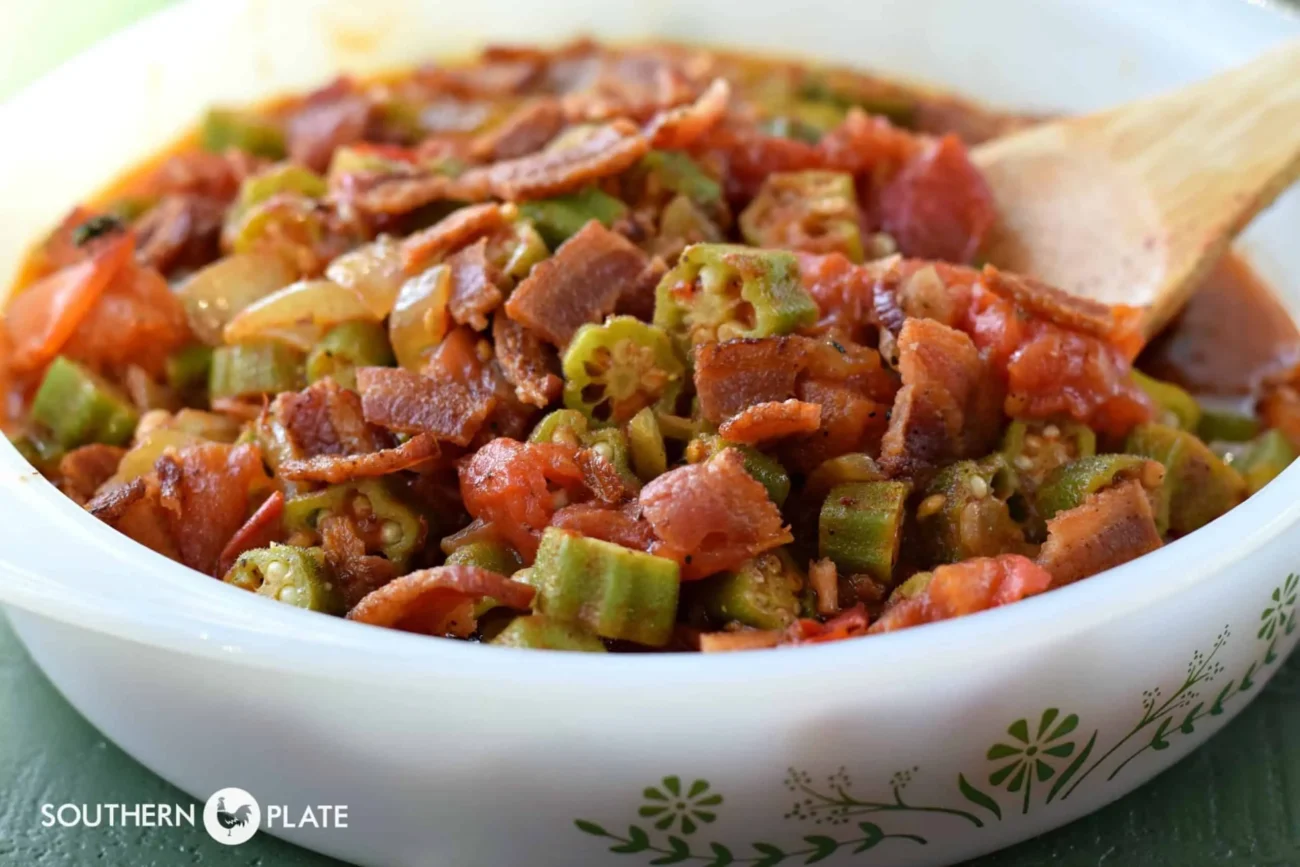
column 1110, row 527
column 638, row 299
column 771, row 420
column 868, row 144
column 938, row 206
column 526, row 362
column 474, row 290
column 333, row 116
column 622, row 526
column 527, row 130
column 327, row 419
column 110, row 504
column 407, row 402
column 518, row 487
column 849, row 624
column 432, row 601
column 337, row 469
column 942, row 411
column 356, row 573
column 602, row 478
column 581, row 283
column 452, row 232
column 958, row 589
column 204, row 490
column 400, row 192
column 83, row 471
column 851, row 421
column 607, row 150
column 681, row 127
column 202, row 173
column 259, row 531
column 180, row 232
column 749, row 157
column 730, row 377
column 135, row 510
column 1119, row 325
column 712, row 516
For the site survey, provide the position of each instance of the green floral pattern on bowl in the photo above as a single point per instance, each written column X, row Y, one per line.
column 1037, row 760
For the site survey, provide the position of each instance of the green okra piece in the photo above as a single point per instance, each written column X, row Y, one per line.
column 560, row 218
column 816, row 205
column 1177, row 407
column 347, row 346
column 1069, row 485
column 294, row 576
column 677, row 172
column 1198, row 486
column 76, row 407
column 254, row 368
column 187, row 370
column 1265, row 459
column 964, row 512
column 725, row 291
column 610, row 590
column 224, row 128
column 645, row 440
column 567, row 426
column 539, row 632
column 762, row 593
column 1223, row 426
column 397, row 530
column 614, row 370
column 861, row 525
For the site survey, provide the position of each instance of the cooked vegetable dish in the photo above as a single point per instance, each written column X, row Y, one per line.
column 614, row 349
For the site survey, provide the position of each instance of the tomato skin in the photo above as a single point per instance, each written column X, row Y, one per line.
column 958, row 589
column 938, row 206
column 519, row 486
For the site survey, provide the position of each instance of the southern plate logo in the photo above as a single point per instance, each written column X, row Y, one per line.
column 232, row 816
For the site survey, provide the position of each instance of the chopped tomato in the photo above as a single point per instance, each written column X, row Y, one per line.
column 136, row 320
column 938, row 206
column 958, row 589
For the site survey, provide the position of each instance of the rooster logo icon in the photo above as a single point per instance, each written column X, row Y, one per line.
column 232, row 816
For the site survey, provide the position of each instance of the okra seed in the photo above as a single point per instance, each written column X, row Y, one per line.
column 276, row 571
column 361, row 506
column 1023, row 463
column 288, row 595
column 391, row 533
column 605, row 450
column 1051, row 431
column 930, row 505
column 978, row 487
column 1153, row 474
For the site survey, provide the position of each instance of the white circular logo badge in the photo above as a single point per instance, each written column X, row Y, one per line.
column 232, row 816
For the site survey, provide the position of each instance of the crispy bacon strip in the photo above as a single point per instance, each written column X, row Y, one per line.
column 135, row 510
column 733, row 376
column 1111, row 527
column 849, row 624
column 451, row 233
column 83, row 471
column 943, row 410
column 581, row 283
column 681, row 127
column 474, row 290
column 963, row 588
column 181, row 231
column 259, row 531
column 336, row 469
column 622, row 526
column 527, row 130
column 356, row 572
column 331, row 117
column 410, row 403
column 327, row 419
column 771, row 420
column 110, row 504
column 431, row 601
column 204, row 491
column 526, row 362
column 609, row 149
column 712, row 516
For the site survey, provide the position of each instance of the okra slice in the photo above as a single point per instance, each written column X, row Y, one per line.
column 815, row 211
column 495, row 557
column 766, row 469
column 539, row 632
column 1198, row 486
column 646, row 445
column 347, row 346
column 77, row 407
column 726, row 291
column 612, row 445
column 613, row 371
column 557, row 219
column 964, row 512
column 613, row 591
column 1177, row 408
column 1223, row 426
column 287, row 225
column 255, row 368
column 1070, row 484
column 677, row 172
column 228, row 128
column 762, row 593
column 515, row 253
column 294, row 576
column 861, row 525
column 914, row 586
column 565, row 426
column 388, row 525
column 187, row 369
column 279, row 179
column 1264, row 459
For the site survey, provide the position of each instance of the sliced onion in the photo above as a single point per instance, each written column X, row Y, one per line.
column 420, row 320
column 214, row 295
column 305, row 309
column 139, row 461
column 373, row 271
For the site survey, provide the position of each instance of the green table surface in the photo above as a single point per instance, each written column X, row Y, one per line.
column 1235, row 802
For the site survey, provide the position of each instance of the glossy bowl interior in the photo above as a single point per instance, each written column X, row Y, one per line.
column 116, row 625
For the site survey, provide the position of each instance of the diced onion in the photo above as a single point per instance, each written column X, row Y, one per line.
column 419, row 320
column 213, row 296
column 374, row 272
column 300, row 312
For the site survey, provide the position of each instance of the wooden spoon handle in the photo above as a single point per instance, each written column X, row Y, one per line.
column 1158, row 187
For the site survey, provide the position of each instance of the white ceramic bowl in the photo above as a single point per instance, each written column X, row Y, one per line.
column 920, row 747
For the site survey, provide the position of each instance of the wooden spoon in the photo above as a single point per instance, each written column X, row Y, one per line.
column 1135, row 204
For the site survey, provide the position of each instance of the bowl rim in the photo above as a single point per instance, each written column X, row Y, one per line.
column 211, row 619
